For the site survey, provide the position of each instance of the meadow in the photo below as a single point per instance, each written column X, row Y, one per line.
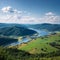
column 44, row 44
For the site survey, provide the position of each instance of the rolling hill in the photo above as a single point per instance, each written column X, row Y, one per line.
column 23, row 29
column 49, row 27
column 16, row 31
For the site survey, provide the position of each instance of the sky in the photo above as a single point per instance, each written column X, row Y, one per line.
column 30, row 11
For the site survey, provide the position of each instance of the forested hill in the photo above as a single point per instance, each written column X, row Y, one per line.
column 16, row 31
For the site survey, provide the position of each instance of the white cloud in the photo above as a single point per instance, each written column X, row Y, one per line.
column 6, row 9
column 51, row 18
column 49, row 13
column 23, row 17
column 9, row 9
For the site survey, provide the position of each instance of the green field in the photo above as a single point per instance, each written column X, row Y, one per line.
column 42, row 48
column 44, row 44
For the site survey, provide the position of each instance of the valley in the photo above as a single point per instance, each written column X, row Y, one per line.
column 44, row 44
column 24, row 42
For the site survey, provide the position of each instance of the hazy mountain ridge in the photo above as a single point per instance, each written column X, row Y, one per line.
column 23, row 29
column 11, row 24
column 49, row 27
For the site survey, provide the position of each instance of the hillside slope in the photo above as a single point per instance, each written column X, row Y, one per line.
column 45, row 44
column 16, row 31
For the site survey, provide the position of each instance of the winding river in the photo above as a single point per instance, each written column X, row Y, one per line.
column 24, row 40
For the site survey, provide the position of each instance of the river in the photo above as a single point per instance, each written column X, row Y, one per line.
column 24, row 40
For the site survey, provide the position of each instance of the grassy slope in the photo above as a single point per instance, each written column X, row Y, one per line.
column 41, row 45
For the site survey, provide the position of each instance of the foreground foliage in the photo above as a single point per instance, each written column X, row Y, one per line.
column 49, row 49
column 14, row 54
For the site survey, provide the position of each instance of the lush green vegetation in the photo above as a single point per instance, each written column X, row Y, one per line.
column 42, row 48
column 16, row 31
column 44, row 44
column 6, row 41
column 15, row 54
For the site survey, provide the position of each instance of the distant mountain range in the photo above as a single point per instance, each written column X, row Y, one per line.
column 23, row 29
column 49, row 27
column 10, row 25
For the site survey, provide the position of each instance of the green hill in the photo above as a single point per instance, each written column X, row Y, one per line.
column 45, row 44
column 16, row 31
column 43, row 48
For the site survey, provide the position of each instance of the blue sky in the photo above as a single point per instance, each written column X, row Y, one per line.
column 37, row 11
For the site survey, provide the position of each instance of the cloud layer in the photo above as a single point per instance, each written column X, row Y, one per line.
column 9, row 9
column 11, row 15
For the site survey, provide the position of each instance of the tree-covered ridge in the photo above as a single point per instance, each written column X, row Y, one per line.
column 47, row 26
column 16, row 31
column 4, row 41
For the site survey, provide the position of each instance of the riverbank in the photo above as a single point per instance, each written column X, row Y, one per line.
column 40, row 45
